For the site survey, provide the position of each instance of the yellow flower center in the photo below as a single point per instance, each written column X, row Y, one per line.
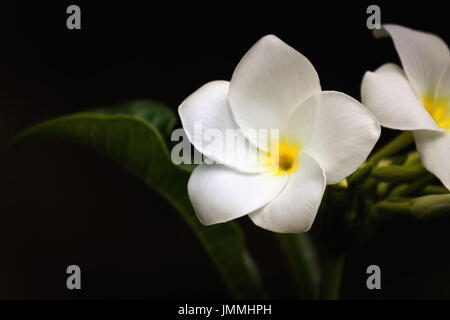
column 439, row 109
column 283, row 157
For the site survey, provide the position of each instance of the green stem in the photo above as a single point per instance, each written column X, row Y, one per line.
column 434, row 190
column 330, row 283
column 332, row 265
column 416, row 186
column 392, row 207
column 302, row 262
column 397, row 144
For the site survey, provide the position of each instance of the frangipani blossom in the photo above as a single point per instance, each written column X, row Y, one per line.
column 417, row 97
column 323, row 137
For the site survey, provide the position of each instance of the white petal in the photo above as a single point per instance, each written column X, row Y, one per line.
column 295, row 208
column 443, row 89
column 337, row 131
column 424, row 57
column 271, row 80
column 434, row 150
column 219, row 194
column 389, row 96
column 440, row 106
column 208, row 109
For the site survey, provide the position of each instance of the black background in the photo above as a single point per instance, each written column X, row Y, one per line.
column 61, row 204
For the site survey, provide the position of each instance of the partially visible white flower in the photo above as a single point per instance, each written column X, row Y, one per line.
column 417, row 97
column 323, row 137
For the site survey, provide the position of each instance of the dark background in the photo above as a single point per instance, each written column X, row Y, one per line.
column 61, row 204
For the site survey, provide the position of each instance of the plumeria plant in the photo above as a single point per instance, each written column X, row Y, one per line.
column 275, row 147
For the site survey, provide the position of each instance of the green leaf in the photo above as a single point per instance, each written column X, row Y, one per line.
column 134, row 135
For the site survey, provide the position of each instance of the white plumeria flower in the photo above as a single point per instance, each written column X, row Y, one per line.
column 324, row 137
column 417, row 97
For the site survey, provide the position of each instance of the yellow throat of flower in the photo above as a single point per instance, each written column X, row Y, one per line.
column 282, row 158
column 439, row 109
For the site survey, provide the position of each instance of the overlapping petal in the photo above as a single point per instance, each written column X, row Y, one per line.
column 207, row 111
column 337, row 131
column 271, row 80
column 443, row 88
column 424, row 57
column 295, row 208
column 389, row 96
column 325, row 137
column 219, row 194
